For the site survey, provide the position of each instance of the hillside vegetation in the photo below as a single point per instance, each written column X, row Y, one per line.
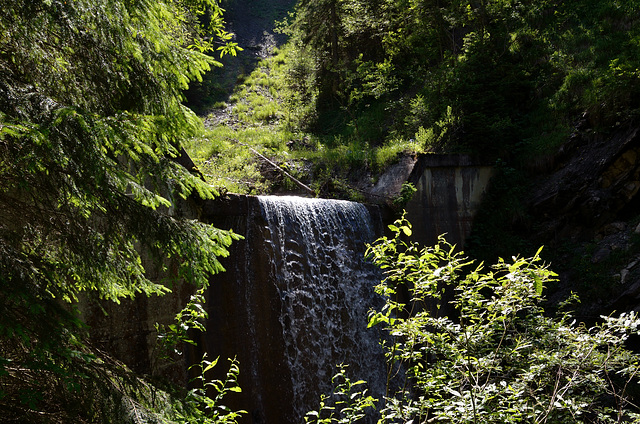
column 93, row 124
column 360, row 81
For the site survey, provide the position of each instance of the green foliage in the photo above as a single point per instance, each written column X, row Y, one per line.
column 200, row 407
column 203, row 404
column 91, row 129
column 270, row 112
column 254, row 120
column 348, row 404
column 300, row 81
column 224, row 157
column 434, row 138
column 502, row 80
column 496, row 78
column 406, row 194
column 475, row 345
column 388, row 154
column 83, row 166
column 190, row 318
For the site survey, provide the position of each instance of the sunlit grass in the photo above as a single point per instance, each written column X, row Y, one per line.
column 228, row 157
column 387, row 154
column 259, row 123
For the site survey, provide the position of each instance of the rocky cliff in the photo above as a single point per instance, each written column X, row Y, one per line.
column 584, row 207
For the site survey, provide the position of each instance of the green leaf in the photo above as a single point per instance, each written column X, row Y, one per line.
column 538, row 284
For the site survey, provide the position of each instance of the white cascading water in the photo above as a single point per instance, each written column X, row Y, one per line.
column 326, row 290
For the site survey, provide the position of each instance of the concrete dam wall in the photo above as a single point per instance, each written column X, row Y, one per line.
column 293, row 302
column 449, row 193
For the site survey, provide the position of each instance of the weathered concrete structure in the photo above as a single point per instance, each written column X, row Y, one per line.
column 296, row 288
column 449, row 192
column 293, row 302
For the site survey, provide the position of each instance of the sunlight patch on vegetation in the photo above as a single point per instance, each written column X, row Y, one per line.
column 263, row 116
column 225, row 157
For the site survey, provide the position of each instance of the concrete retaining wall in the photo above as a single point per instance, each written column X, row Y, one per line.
column 449, row 192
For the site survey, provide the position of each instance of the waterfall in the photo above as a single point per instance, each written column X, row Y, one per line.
column 293, row 302
column 316, row 249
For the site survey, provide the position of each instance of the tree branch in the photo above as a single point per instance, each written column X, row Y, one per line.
column 298, row 182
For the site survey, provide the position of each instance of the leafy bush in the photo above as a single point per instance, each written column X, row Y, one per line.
column 199, row 407
column 348, row 404
column 476, row 346
column 406, row 194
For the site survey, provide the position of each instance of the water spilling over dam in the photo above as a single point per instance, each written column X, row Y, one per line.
column 294, row 301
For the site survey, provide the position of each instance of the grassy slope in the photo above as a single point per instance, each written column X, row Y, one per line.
column 258, row 118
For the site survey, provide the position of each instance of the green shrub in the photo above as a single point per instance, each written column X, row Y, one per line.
column 406, row 194
column 475, row 345
column 349, row 403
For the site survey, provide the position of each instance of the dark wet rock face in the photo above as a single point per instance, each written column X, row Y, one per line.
column 595, row 185
column 588, row 209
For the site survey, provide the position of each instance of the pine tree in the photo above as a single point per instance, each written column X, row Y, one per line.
column 91, row 124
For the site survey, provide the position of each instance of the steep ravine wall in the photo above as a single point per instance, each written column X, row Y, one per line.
column 586, row 210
